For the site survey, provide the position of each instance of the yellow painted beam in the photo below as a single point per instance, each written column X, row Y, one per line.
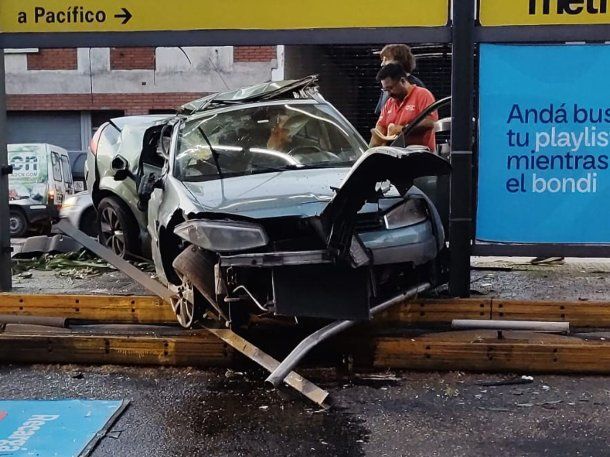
column 464, row 351
column 577, row 313
column 152, row 310
column 105, row 308
column 155, row 15
column 482, row 351
column 201, row 349
column 436, row 311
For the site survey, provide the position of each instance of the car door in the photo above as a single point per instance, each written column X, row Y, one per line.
column 157, row 197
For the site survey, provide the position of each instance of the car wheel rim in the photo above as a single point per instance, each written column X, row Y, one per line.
column 184, row 305
column 113, row 236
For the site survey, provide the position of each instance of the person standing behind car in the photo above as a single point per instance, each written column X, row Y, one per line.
column 405, row 102
column 402, row 54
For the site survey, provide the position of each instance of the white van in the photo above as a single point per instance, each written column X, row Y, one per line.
column 40, row 182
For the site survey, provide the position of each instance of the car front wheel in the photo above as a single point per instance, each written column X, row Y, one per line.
column 117, row 228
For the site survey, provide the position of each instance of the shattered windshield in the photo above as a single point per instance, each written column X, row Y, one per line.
column 264, row 139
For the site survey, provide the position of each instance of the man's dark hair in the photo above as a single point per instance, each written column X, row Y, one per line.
column 400, row 53
column 393, row 70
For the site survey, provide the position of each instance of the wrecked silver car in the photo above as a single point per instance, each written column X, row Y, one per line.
column 268, row 202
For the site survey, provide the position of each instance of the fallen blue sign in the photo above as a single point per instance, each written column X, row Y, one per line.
column 54, row 428
column 544, row 144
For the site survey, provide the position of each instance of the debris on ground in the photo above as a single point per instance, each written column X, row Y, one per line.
column 381, row 377
column 81, row 264
column 451, row 392
column 507, row 382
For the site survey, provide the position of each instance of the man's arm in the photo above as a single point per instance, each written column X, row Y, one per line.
column 377, row 140
column 423, row 101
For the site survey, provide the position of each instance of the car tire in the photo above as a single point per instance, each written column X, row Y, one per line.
column 18, row 223
column 88, row 222
column 117, row 228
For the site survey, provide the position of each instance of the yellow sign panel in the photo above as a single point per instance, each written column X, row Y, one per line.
column 544, row 12
column 162, row 15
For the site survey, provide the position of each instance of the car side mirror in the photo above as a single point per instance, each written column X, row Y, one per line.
column 164, row 142
column 120, row 166
column 163, row 149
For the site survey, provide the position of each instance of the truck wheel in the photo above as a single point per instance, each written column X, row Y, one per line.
column 18, row 223
column 117, row 228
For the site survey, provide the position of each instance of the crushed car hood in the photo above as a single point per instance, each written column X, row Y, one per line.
column 334, row 194
column 287, row 193
column 400, row 166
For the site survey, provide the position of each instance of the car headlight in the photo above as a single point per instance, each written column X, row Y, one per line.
column 223, row 236
column 70, row 202
column 411, row 212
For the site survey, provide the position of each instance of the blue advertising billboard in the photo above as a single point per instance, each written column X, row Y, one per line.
column 544, row 142
column 45, row 428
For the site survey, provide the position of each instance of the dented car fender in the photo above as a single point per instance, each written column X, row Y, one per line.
column 173, row 202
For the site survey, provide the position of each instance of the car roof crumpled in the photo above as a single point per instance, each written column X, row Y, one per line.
column 250, row 94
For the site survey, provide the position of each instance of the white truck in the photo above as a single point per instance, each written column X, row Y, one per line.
column 40, row 182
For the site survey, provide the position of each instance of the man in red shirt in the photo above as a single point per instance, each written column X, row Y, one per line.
column 406, row 101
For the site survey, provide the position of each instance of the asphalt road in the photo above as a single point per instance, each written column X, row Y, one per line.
column 190, row 412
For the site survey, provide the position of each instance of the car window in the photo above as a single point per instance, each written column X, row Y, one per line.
column 265, row 138
column 152, row 156
column 56, row 166
column 109, row 140
column 65, row 166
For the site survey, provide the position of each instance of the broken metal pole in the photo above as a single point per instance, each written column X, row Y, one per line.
column 532, row 326
column 280, row 373
column 294, row 380
column 5, row 232
column 102, row 251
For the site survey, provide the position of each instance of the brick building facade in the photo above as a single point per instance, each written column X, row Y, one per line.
column 61, row 96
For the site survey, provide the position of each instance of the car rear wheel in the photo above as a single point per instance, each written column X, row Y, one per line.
column 117, row 228
column 18, row 223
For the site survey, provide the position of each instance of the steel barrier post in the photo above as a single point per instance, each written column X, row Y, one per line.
column 5, row 235
column 462, row 91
